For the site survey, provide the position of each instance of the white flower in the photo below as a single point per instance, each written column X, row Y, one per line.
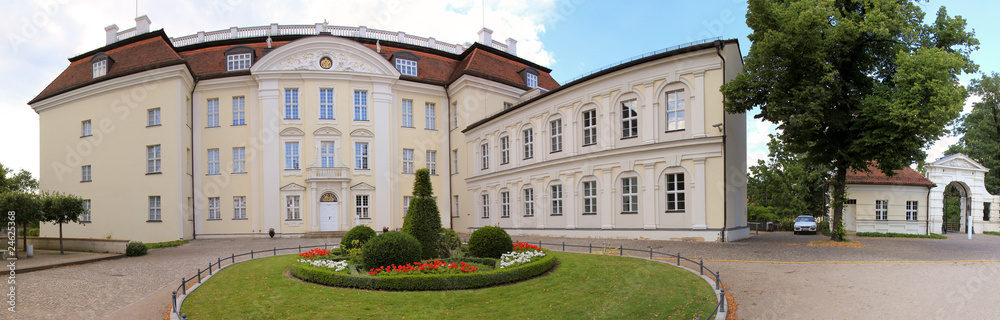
column 335, row 265
column 514, row 258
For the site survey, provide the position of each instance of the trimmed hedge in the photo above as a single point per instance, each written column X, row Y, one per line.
column 424, row 282
column 362, row 233
column 490, row 242
column 899, row 235
column 135, row 249
column 390, row 248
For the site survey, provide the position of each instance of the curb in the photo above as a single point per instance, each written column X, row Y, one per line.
column 66, row 264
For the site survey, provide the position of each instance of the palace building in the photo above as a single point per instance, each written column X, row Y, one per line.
column 313, row 129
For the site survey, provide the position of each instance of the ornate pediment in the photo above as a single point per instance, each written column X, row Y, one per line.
column 326, row 60
column 293, row 187
column 362, row 133
column 326, row 131
column 362, row 186
column 292, row 132
column 959, row 161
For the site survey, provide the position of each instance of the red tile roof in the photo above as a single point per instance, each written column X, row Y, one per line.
column 906, row 177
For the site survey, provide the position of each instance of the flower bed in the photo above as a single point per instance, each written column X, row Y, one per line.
column 426, row 267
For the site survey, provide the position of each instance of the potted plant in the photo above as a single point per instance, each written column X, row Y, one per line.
column 385, row 229
column 271, row 232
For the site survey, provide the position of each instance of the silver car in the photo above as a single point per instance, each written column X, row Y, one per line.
column 805, row 224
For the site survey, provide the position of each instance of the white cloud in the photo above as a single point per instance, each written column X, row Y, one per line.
column 757, row 138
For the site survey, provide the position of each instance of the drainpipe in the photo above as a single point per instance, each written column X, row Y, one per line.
column 927, row 212
column 725, row 156
column 194, row 221
column 451, row 218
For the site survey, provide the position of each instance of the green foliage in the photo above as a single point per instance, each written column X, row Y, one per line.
column 824, row 227
column 390, row 248
column 853, row 83
column 423, row 282
column 839, row 233
column 786, row 185
column 979, row 130
column 423, row 219
column 135, row 249
column 448, row 242
column 490, row 242
column 899, row 235
column 21, row 181
column 166, row 244
column 362, row 233
column 33, row 232
column 62, row 208
column 992, row 233
column 760, row 213
column 952, row 204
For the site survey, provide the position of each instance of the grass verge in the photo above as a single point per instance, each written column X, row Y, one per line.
column 992, row 233
column 174, row 243
column 581, row 287
column 830, row 243
column 899, row 235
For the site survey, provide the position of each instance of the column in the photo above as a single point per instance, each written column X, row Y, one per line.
column 570, row 202
column 606, row 200
column 649, row 205
column 698, row 190
column 271, row 152
column 381, row 154
column 649, row 121
column 697, row 120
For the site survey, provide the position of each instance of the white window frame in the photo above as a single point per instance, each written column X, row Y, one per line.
column 485, row 153
column 531, row 80
column 153, row 117
column 293, row 207
column 674, row 192
column 430, row 116
column 589, row 127
column 406, row 67
column 327, row 154
column 292, row 161
column 504, row 150
column 529, row 202
column 326, row 104
column 212, row 111
column 85, row 128
column 239, row 160
column 911, row 210
column 408, row 161
column 486, row 205
column 406, row 204
column 100, row 68
column 590, row 197
column 455, row 212
column 630, row 119
column 85, row 217
column 675, row 111
column 360, row 105
column 454, row 115
column 529, row 143
column 407, row 119
column 362, row 206
column 85, row 173
column 214, row 208
column 238, row 61
column 505, row 204
column 557, row 200
column 432, row 162
column 153, row 159
column 361, row 152
column 555, row 137
column 154, row 208
column 630, row 195
column 239, row 111
column 291, row 104
column 454, row 161
column 213, row 162
column 881, row 210
column 239, row 208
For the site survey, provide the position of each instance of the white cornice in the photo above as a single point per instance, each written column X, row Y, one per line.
column 419, row 88
column 176, row 71
column 238, row 82
column 480, row 83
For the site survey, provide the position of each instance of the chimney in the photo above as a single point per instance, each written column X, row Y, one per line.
column 111, row 33
column 141, row 25
column 486, row 36
column 512, row 46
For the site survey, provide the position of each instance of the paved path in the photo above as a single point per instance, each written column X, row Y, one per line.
column 864, row 283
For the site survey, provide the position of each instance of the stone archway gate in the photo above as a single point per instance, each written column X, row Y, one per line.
column 972, row 177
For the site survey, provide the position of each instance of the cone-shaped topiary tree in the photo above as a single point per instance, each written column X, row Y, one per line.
column 423, row 220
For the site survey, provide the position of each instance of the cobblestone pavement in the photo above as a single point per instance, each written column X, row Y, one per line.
column 851, row 283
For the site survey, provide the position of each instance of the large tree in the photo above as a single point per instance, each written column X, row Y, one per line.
column 423, row 219
column 61, row 208
column 787, row 185
column 980, row 129
column 853, row 83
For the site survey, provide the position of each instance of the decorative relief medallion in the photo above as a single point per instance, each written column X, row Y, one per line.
column 328, row 197
column 326, row 60
column 960, row 164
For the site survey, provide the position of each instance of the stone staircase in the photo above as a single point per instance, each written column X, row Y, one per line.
column 325, row 234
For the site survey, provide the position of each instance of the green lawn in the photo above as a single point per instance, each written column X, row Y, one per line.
column 582, row 286
column 992, row 233
column 899, row 235
column 158, row 245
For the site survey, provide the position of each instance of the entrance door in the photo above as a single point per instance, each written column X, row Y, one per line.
column 850, row 220
column 328, row 216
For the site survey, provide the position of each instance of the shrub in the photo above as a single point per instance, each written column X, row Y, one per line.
column 490, row 242
column 447, row 242
column 824, row 227
column 361, row 233
column 761, row 213
column 33, row 232
column 390, row 248
column 423, row 219
column 135, row 249
column 157, row 245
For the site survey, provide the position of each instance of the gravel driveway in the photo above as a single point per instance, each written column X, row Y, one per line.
column 772, row 276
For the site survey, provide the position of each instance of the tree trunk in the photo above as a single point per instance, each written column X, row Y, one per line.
column 60, row 239
column 24, row 236
column 839, row 188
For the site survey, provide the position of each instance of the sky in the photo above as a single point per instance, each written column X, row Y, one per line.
column 572, row 37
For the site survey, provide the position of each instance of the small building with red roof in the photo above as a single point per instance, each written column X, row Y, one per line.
column 878, row 202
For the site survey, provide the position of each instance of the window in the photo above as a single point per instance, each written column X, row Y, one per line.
column 454, row 115
column 153, row 159
column 361, row 155
column 239, row 160
column 532, row 80
column 85, row 128
column 555, row 140
column 406, row 67
column 85, row 217
column 212, row 108
column 326, row 104
column 505, row 204
column 486, row 206
column 507, row 105
column 213, row 209
column 100, row 68
column 239, row 61
column 430, row 123
column 911, row 210
column 432, row 162
column 630, row 195
column 154, row 208
column 529, row 202
column 881, row 209
column 291, row 104
column 590, row 197
column 454, row 161
column 486, row 156
column 239, row 111
column 675, row 110
column 557, row 200
column 675, row 192
column 239, row 208
column 406, row 204
column 361, row 206
column 85, row 173
column 213, row 161
column 153, row 117
column 630, row 120
column 291, row 156
column 589, row 127
column 407, row 160
column 529, row 143
column 986, row 211
column 407, row 114
column 504, row 150
column 292, row 208
column 454, row 213
column 326, row 155
column 360, row 105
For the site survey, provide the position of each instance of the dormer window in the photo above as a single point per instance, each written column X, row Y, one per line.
column 239, row 58
column 532, row 81
column 101, row 62
column 406, row 62
column 530, row 77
